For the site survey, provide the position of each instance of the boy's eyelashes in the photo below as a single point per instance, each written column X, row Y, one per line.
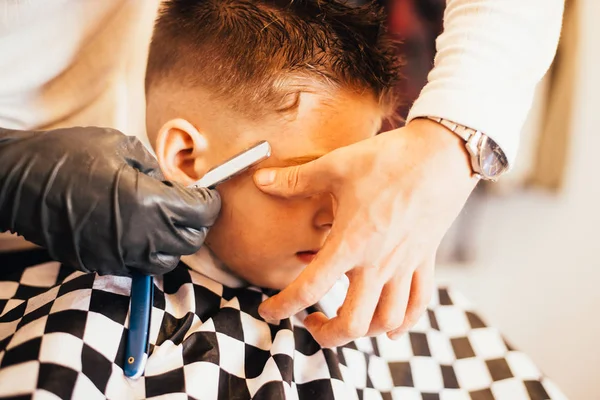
column 288, row 162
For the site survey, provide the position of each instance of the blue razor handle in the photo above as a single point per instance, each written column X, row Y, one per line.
column 136, row 351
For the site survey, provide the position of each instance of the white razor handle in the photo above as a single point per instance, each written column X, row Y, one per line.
column 235, row 165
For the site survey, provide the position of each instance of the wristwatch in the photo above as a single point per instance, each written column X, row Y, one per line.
column 488, row 161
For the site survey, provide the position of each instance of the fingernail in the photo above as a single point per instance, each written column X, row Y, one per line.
column 265, row 315
column 396, row 335
column 265, row 178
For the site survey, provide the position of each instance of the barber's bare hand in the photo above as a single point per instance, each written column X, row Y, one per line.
column 396, row 194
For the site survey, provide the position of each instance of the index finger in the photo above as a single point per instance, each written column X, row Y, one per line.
column 354, row 316
column 313, row 283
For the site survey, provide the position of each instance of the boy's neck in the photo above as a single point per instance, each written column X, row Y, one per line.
column 205, row 262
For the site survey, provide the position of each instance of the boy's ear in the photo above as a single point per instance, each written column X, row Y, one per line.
column 181, row 151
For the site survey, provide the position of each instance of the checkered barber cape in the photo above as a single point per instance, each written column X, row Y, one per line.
column 62, row 335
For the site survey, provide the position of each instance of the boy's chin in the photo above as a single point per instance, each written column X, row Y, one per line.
column 276, row 280
column 269, row 283
column 274, row 272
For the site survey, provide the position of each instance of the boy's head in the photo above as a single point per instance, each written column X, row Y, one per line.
column 309, row 76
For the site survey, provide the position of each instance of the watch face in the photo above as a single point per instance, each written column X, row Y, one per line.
column 492, row 160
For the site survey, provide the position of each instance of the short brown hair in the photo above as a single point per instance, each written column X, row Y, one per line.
column 246, row 51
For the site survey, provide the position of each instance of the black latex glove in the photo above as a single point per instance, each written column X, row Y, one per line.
column 94, row 198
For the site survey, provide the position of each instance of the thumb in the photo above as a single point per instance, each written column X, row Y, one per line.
column 296, row 181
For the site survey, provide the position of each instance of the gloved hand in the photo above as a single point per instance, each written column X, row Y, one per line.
column 94, row 198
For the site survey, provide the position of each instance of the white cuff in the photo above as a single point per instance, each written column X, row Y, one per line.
column 490, row 58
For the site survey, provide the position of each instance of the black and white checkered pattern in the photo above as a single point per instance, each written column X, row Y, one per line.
column 62, row 334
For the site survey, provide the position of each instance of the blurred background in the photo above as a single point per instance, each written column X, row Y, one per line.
column 525, row 251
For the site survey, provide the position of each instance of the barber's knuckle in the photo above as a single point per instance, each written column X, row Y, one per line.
column 307, row 297
column 336, row 171
column 409, row 323
column 324, row 341
column 414, row 316
column 390, row 322
column 426, row 296
column 421, row 303
column 293, row 178
column 355, row 327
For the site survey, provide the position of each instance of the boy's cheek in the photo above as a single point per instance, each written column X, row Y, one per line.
column 247, row 211
column 241, row 209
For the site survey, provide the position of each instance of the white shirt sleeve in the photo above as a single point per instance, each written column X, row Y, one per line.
column 490, row 58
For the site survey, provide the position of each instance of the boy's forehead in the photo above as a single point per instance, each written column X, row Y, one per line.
column 317, row 129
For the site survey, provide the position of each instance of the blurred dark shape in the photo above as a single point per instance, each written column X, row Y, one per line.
column 414, row 25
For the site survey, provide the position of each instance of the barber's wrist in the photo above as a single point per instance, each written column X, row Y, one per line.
column 446, row 147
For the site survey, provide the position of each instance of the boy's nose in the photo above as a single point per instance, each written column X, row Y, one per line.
column 323, row 218
column 323, row 221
